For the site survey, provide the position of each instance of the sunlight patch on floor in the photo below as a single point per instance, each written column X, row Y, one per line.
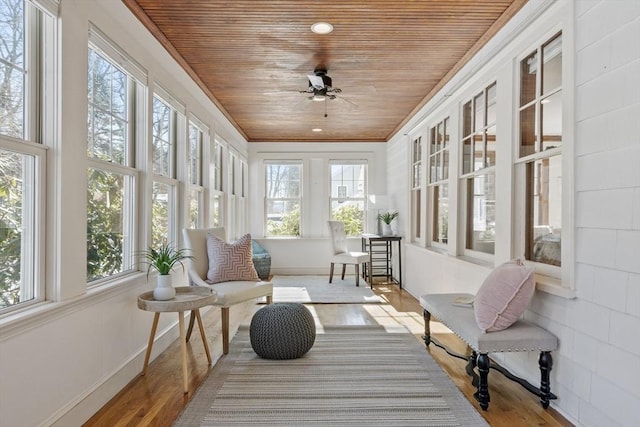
column 395, row 321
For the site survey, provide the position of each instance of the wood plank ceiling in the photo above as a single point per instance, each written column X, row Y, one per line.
column 252, row 58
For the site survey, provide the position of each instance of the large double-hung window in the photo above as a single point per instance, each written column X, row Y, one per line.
column 438, row 182
column 198, row 138
column 478, row 170
column 27, row 31
column 167, row 126
column 539, row 162
column 116, row 91
column 348, row 181
column 283, row 196
column 416, row 189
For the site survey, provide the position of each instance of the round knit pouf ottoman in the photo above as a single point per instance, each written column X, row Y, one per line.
column 282, row 331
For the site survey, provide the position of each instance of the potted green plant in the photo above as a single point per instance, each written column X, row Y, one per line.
column 164, row 259
column 387, row 218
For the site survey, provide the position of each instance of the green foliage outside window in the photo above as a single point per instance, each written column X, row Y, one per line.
column 289, row 225
column 104, row 224
column 10, row 228
column 352, row 217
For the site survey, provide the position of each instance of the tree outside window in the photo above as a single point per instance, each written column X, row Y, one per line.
column 283, row 195
column 349, row 195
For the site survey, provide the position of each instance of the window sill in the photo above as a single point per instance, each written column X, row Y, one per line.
column 36, row 315
column 553, row 286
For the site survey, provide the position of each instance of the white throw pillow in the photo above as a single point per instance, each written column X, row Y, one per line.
column 504, row 296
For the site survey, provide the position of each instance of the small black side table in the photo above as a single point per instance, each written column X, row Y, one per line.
column 380, row 249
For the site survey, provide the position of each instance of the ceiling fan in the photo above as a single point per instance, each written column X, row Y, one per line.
column 320, row 86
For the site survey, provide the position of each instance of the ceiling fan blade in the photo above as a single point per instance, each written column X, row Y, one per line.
column 316, row 81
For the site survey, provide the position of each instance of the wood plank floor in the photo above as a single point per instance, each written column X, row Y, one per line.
column 157, row 398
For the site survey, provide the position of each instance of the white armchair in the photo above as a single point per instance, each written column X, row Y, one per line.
column 340, row 253
column 229, row 293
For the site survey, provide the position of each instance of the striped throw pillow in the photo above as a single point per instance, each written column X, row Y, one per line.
column 230, row 261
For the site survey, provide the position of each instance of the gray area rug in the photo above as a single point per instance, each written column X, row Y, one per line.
column 352, row 376
column 318, row 290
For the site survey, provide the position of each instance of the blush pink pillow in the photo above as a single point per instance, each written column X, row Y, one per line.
column 504, row 296
column 230, row 261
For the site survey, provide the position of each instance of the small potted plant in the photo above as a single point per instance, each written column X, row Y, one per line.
column 163, row 260
column 387, row 218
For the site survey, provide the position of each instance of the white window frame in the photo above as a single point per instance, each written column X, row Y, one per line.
column 177, row 134
column 299, row 199
column 137, row 90
column 195, row 185
column 418, row 188
column 551, row 279
column 485, row 170
column 435, row 183
column 364, row 199
column 39, row 131
column 217, row 204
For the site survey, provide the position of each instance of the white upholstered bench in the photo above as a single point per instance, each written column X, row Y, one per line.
column 521, row 336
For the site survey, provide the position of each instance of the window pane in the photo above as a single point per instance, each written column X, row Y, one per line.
column 283, row 181
column 441, row 214
column 12, row 32
column 491, row 104
column 481, row 213
column 283, row 218
column 478, row 103
column 478, row 151
column 491, row 146
column 417, row 212
column 12, row 101
column 106, row 231
column 544, row 210
column 528, row 131
column 218, row 168
column 17, row 198
column 551, row 109
column 194, row 208
column 552, row 65
column 466, row 119
column 351, row 213
column 162, row 138
column 528, row 72
column 195, row 144
column 215, row 220
column 12, row 69
column 160, row 214
column 107, row 120
column 467, row 151
column 348, row 181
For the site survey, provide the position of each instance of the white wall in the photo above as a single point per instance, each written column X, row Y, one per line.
column 596, row 369
column 63, row 360
column 311, row 253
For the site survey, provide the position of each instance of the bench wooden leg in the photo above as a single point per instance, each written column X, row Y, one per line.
column 331, row 273
column 546, row 363
column 482, row 395
column 427, row 328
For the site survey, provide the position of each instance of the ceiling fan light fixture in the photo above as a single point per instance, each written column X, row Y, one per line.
column 316, row 130
column 322, row 28
column 319, row 97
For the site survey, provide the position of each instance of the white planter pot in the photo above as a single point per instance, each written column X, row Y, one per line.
column 386, row 229
column 164, row 288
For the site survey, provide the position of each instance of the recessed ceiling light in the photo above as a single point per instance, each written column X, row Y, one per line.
column 316, row 130
column 322, row 28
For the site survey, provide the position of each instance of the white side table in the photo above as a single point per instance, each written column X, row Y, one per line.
column 187, row 298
